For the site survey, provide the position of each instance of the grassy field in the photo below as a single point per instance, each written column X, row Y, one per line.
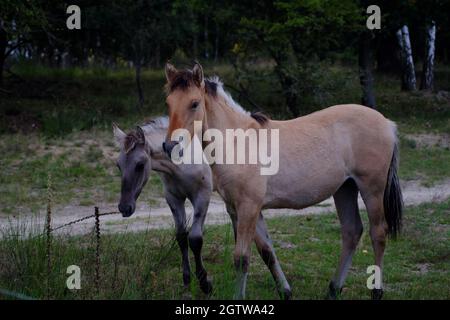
column 147, row 265
column 58, row 122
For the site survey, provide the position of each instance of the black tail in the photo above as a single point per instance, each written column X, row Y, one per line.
column 393, row 199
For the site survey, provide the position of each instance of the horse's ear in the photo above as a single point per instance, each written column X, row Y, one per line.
column 197, row 73
column 119, row 135
column 141, row 134
column 171, row 72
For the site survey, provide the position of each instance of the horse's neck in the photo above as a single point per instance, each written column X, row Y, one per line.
column 153, row 148
column 161, row 163
column 221, row 116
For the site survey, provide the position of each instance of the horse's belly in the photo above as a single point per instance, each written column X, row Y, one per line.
column 298, row 197
column 298, row 189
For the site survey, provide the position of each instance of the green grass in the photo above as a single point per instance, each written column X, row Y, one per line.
column 147, row 265
column 430, row 165
column 82, row 169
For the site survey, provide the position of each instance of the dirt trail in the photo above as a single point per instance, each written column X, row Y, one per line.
column 147, row 217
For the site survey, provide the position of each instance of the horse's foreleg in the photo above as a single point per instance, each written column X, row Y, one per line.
column 267, row 253
column 346, row 200
column 233, row 217
column 196, row 243
column 247, row 217
column 179, row 216
column 378, row 232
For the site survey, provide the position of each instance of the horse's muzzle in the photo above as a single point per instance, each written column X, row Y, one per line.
column 168, row 147
column 126, row 209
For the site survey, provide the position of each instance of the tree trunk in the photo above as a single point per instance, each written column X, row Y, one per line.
column 428, row 64
column 216, row 44
column 195, row 46
column 195, row 31
column 3, row 44
column 365, row 61
column 158, row 55
column 205, row 35
column 138, row 67
column 287, row 84
column 409, row 74
column 291, row 101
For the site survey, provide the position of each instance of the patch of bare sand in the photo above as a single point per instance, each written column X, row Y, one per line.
column 147, row 217
column 430, row 140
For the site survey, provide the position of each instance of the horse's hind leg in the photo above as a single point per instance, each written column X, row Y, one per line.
column 196, row 240
column 179, row 216
column 267, row 253
column 346, row 201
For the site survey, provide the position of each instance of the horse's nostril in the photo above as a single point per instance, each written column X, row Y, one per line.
column 168, row 147
column 126, row 210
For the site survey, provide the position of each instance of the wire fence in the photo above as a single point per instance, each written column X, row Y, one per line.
column 77, row 221
column 48, row 232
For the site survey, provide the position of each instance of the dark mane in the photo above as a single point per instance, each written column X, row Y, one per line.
column 131, row 140
column 184, row 79
column 211, row 87
column 260, row 117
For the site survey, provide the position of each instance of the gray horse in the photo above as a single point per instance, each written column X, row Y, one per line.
column 140, row 152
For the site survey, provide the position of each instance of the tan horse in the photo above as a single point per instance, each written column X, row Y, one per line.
column 339, row 151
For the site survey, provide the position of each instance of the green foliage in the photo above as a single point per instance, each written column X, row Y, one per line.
column 294, row 34
column 19, row 18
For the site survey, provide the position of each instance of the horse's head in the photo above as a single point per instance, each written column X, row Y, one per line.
column 185, row 101
column 134, row 165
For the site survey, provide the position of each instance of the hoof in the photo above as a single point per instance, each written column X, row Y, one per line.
column 333, row 292
column 186, row 281
column 187, row 295
column 377, row 294
column 286, row 294
column 206, row 286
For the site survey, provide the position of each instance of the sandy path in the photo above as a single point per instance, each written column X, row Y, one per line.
column 147, row 217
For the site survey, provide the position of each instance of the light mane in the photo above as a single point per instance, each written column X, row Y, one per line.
column 226, row 96
column 155, row 132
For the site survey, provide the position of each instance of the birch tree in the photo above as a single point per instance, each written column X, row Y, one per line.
column 408, row 71
column 428, row 64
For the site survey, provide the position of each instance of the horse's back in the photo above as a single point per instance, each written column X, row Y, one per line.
column 318, row 152
column 344, row 112
column 352, row 123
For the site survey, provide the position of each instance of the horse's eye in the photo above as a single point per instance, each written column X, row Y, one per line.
column 194, row 105
column 140, row 166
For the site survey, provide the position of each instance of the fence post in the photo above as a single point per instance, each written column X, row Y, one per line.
column 97, row 250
